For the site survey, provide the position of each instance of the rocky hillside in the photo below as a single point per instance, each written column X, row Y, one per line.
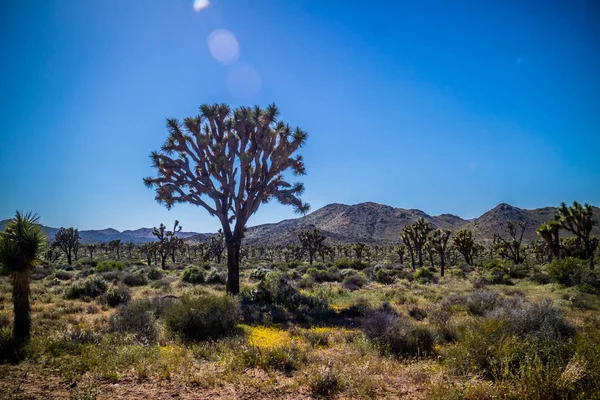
column 377, row 223
column 365, row 222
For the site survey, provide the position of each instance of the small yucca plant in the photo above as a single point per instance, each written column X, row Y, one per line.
column 21, row 247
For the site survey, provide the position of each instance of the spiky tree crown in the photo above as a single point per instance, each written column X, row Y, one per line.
column 21, row 243
column 236, row 158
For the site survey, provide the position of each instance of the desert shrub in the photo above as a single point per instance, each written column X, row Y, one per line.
column 324, row 382
column 354, row 282
column 259, row 273
column 417, row 313
column 275, row 299
column 109, row 265
column 193, row 275
column 572, row 271
column 154, row 274
column 498, row 276
column 480, row 301
column 117, row 295
column 440, row 320
column 40, row 273
column 541, row 319
column 63, row 275
column 344, row 263
column 286, row 358
column 204, row 316
column 424, row 275
column 587, row 352
column 489, row 347
column 93, row 287
column 384, row 275
column 89, row 261
column 395, row 334
column 216, row 277
column 161, row 284
column 136, row 318
column 134, row 279
column 331, row 274
column 109, row 276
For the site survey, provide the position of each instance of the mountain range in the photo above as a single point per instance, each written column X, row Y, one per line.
column 365, row 222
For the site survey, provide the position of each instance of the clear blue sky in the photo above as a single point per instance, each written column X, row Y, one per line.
column 442, row 106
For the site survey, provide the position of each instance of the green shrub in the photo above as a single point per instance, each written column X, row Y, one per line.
column 344, row 263
column 93, row 287
column 216, row 277
column 385, row 276
column 137, row 318
column 354, row 282
column 154, row 274
column 571, row 271
column 193, row 275
column 63, row 275
column 259, row 273
column 134, row 279
column 205, row 316
column 109, row 265
column 424, row 275
column 117, row 295
column 332, row 274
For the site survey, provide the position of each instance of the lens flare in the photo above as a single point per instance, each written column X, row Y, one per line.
column 223, row 46
column 200, row 4
column 243, row 82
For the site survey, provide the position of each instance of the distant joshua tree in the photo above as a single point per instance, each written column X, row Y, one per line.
column 91, row 248
column 512, row 248
column 464, row 243
column 359, row 248
column 578, row 220
column 234, row 158
column 312, row 242
column 67, row 240
column 401, row 252
column 165, row 241
column 440, row 243
column 21, row 248
column 549, row 233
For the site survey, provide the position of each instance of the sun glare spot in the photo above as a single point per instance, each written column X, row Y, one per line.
column 200, row 5
column 243, row 82
column 223, row 46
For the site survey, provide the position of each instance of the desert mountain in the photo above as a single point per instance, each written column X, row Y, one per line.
column 365, row 222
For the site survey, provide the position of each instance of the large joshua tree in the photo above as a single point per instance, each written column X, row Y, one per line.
column 578, row 220
column 229, row 162
column 21, row 248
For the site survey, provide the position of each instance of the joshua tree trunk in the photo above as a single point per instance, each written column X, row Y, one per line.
column 233, row 264
column 412, row 258
column 22, row 326
column 163, row 259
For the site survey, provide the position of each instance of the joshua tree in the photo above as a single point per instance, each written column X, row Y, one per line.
column 511, row 248
column 236, row 158
column 464, row 243
column 91, row 248
column 401, row 251
column 549, row 232
column 440, row 243
column 216, row 247
column 67, row 240
column 578, row 220
column 115, row 245
column 148, row 251
column 162, row 247
column 407, row 237
column 129, row 246
column 312, row 242
column 21, row 248
column 430, row 250
column 359, row 248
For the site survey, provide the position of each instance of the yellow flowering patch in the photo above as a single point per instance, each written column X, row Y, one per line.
column 266, row 337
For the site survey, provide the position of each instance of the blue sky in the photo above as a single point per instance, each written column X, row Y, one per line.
column 442, row 106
